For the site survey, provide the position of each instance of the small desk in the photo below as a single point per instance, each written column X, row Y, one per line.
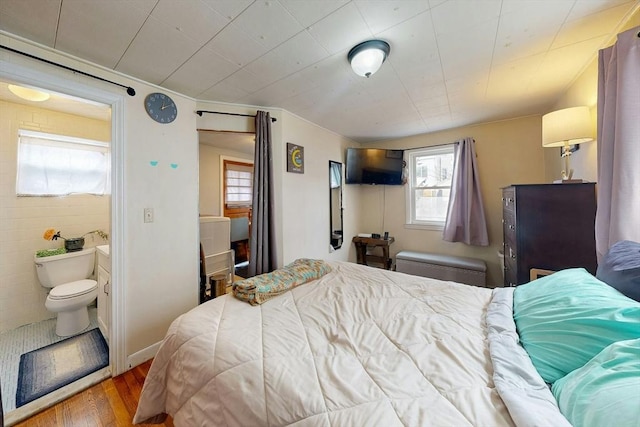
column 361, row 250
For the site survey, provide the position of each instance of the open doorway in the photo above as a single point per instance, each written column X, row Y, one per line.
column 226, row 179
column 69, row 129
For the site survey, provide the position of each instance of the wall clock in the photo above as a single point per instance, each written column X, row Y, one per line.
column 160, row 107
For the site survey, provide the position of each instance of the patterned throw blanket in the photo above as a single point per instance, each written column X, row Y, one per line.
column 259, row 289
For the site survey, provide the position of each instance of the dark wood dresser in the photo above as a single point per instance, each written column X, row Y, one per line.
column 549, row 227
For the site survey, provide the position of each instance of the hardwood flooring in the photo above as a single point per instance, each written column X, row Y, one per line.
column 112, row 402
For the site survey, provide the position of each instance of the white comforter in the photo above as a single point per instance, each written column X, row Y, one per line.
column 358, row 347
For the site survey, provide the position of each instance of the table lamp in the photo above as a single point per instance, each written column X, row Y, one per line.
column 564, row 128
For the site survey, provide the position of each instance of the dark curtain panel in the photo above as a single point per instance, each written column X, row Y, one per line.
column 466, row 222
column 262, row 245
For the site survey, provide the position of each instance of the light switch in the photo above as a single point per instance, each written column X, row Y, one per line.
column 148, row 214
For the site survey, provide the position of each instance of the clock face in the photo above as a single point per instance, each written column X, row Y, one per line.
column 160, row 107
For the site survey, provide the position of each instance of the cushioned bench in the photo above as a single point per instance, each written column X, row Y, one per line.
column 443, row 267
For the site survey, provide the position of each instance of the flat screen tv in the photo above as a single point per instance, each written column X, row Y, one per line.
column 374, row 166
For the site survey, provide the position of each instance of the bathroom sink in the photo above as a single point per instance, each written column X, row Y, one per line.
column 103, row 249
column 104, row 260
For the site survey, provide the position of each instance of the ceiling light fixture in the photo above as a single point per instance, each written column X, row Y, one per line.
column 28, row 94
column 367, row 57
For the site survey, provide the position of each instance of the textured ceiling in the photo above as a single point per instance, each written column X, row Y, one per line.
column 452, row 62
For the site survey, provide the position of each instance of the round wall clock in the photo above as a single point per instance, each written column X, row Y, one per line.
column 160, row 107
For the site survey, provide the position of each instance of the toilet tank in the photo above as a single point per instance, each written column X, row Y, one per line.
column 58, row 269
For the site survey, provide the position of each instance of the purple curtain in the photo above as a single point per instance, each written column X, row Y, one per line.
column 262, row 245
column 466, row 222
column 618, row 214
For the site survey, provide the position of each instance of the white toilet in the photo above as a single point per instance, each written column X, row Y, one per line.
column 72, row 291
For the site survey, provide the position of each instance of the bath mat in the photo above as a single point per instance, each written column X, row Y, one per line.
column 49, row 368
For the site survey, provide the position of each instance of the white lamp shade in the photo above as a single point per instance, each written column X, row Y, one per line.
column 367, row 57
column 568, row 126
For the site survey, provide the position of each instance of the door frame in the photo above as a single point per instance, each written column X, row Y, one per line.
column 47, row 79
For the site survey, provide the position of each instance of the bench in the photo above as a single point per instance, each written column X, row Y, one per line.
column 443, row 267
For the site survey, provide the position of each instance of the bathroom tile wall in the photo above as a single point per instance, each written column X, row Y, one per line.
column 24, row 219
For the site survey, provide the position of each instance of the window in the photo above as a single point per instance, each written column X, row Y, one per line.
column 430, row 174
column 58, row 165
column 238, row 180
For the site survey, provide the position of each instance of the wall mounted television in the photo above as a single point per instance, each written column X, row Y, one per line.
column 374, row 166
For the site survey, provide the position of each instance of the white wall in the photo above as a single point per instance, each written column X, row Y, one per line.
column 23, row 220
column 161, row 266
column 305, row 197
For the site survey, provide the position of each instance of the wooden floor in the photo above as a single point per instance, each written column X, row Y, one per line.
column 112, row 402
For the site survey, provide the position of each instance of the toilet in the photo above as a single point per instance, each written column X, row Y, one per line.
column 71, row 289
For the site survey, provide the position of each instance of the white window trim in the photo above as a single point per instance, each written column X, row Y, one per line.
column 64, row 141
column 62, row 138
column 410, row 221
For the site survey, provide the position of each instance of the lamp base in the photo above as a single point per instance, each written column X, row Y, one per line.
column 569, row 181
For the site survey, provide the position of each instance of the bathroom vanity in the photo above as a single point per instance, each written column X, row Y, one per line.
column 103, row 277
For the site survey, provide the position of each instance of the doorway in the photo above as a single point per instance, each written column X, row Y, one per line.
column 226, row 179
column 67, row 105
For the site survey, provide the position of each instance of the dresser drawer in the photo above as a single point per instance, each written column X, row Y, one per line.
column 510, row 264
column 510, row 272
column 509, row 235
column 510, row 253
column 509, row 199
column 509, row 226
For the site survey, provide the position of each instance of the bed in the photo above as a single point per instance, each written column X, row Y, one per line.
column 361, row 346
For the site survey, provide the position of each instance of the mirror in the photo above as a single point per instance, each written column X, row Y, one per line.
column 335, row 203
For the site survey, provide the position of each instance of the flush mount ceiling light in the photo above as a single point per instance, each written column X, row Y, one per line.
column 367, row 57
column 28, row 94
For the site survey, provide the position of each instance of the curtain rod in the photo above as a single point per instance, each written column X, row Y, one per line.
column 430, row 146
column 131, row 91
column 199, row 112
column 437, row 145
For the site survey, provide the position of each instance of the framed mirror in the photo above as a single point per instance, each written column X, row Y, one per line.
column 335, row 204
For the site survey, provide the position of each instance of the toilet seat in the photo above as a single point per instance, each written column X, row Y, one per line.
column 73, row 289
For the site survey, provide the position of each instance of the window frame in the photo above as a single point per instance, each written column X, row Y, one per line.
column 234, row 210
column 411, row 188
column 67, row 142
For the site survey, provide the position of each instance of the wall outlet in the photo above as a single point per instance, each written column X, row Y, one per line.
column 148, row 214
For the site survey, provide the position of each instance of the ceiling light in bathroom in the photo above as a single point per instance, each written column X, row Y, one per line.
column 28, row 94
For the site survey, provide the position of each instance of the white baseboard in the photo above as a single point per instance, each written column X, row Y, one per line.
column 143, row 355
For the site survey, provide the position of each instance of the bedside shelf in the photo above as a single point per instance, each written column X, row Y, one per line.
column 364, row 258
